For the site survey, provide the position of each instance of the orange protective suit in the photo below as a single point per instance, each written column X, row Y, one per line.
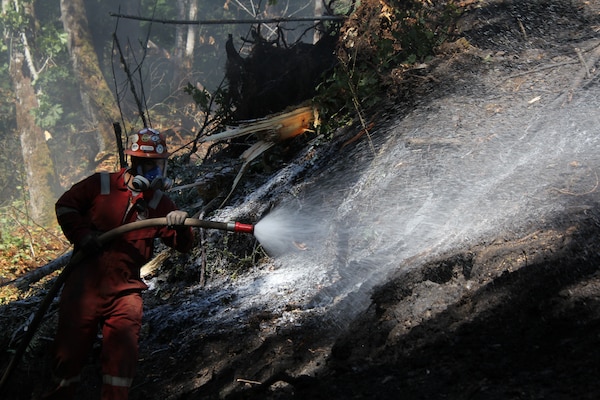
column 105, row 289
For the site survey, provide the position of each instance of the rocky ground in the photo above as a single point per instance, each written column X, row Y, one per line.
column 514, row 317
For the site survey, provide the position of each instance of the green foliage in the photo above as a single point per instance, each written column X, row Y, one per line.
column 163, row 35
column 9, row 225
column 405, row 36
column 14, row 20
column 24, row 246
column 55, row 87
column 200, row 96
column 7, row 105
column 47, row 44
column 48, row 114
column 215, row 104
column 10, row 154
column 51, row 42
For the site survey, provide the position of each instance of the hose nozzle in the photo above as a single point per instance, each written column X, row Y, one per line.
column 223, row 226
column 240, row 228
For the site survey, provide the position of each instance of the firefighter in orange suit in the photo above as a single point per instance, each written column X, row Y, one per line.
column 104, row 291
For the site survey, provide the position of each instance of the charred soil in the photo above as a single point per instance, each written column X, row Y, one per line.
column 514, row 318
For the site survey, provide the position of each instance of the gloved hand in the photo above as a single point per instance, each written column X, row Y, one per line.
column 90, row 243
column 176, row 218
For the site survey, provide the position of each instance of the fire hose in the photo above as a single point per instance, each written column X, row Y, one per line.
column 80, row 255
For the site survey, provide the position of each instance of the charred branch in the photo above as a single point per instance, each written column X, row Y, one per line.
column 274, row 77
column 334, row 18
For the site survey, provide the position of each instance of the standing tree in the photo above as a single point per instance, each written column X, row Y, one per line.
column 192, row 32
column 42, row 182
column 97, row 99
column 185, row 41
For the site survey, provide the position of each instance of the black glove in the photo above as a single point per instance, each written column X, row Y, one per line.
column 90, row 244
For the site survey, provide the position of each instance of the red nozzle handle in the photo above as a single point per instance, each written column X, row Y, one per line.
column 243, row 228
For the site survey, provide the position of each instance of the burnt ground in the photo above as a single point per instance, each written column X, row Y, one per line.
column 516, row 317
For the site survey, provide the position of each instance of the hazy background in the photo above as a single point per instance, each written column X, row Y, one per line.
column 163, row 58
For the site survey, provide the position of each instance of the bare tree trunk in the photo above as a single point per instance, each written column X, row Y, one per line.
column 185, row 40
column 318, row 29
column 192, row 31
column 98, row 100
column 178, row 51
column 42, row 183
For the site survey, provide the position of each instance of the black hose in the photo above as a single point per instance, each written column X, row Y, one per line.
column 80, row 255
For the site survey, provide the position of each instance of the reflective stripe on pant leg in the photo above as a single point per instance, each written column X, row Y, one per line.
column 120, row 344
column 115, row 387
column 68, row 382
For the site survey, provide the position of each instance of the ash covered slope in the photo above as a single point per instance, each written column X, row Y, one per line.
column 471, row 225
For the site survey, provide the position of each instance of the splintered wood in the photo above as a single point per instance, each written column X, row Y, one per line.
column 273, row 128
column 270, row 131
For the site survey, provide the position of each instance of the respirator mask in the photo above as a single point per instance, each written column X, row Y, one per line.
column 151, row 175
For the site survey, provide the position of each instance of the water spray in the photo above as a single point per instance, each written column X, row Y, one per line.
column 234, row 226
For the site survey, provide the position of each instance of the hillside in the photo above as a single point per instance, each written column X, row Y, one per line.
column 451, row 252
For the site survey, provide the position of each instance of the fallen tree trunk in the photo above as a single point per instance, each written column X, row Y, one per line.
column 25, row 281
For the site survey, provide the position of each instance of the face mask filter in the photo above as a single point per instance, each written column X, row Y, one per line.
column 152, row 179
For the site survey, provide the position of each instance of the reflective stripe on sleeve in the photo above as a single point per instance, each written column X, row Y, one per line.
column 116, row 381
column 104, row 183
column 64, row 210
